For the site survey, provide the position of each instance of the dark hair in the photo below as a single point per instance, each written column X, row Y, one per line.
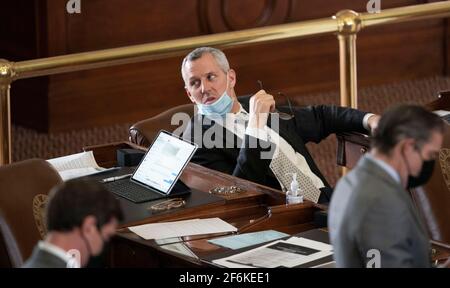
column 71, row 202
column 405, row 121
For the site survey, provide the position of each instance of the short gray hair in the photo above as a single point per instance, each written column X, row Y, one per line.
column 220, row 57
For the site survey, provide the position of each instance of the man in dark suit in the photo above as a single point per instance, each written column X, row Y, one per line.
column 372, row 219
column 246, row 142
column 81, row 217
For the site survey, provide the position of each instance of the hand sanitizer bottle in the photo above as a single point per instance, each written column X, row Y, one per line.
column 293, row 196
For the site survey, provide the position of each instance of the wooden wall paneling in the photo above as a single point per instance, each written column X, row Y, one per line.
column 401, row 51
column 307, row 10
column 29, row 103
column 20, row 35
column 126, row 94
column 17, row 30
column 221, row 16
column 106, row 24
column 56, row 31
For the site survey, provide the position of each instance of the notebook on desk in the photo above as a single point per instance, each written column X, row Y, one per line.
column 157, row 175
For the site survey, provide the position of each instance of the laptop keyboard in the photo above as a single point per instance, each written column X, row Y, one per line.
column 132, row 191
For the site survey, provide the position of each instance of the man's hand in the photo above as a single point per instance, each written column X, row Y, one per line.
column 372, row 122
column 261, row 104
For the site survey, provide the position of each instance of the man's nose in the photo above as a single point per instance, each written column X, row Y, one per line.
column 205, row 86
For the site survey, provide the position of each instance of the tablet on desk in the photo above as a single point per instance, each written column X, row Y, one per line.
column 157, row 174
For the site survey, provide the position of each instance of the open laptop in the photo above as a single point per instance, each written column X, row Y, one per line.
column 157, row 174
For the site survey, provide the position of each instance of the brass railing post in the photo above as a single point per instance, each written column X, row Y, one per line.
column 349, row 24
column 6, row 77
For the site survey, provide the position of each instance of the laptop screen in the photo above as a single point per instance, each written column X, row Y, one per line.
column 164, row 162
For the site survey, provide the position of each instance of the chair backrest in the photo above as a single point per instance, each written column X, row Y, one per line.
column 433, row 199
column 24, row 187
column 173, row 120
column 10, row 256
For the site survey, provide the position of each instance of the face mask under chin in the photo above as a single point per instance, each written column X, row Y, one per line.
column 220, row 107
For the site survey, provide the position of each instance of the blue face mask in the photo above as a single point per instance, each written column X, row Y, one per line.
column 221, row 107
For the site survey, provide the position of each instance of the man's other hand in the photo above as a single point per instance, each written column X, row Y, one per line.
column 372, row 122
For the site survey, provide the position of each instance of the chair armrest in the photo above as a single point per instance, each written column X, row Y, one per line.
column 350, row 147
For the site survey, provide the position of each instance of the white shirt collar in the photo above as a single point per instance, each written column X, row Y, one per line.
column 239, row 114
column 71, row 262
column 386, row 167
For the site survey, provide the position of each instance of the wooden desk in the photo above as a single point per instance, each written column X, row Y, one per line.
column 258, row 208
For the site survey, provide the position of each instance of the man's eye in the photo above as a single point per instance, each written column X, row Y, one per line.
column 211, row 77
column 194, row 83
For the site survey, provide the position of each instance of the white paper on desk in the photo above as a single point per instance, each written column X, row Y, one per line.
column 182, row 228
column 441, row 113
column 179, row 248
column 80, row 172
column 76, row 165
column 279, row 254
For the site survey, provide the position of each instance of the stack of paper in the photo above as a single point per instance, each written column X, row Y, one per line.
column 182, row 228
column 76, row 165
column 290, row 253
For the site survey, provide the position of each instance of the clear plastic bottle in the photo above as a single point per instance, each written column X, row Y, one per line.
column 294, row 195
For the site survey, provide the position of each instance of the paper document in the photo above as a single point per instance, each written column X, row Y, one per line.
column 182, row 228
column 290, row 253
column 166, row 241
column 247, row 239
column 441, row 113
column 76, row 165
column 180, row 248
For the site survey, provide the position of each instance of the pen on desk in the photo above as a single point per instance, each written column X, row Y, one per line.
column 111, row 179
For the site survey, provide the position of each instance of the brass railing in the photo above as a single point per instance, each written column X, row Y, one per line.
column 345, row 23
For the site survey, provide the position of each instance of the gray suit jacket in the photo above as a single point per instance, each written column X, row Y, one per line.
column 370, row 210
column 44, row 259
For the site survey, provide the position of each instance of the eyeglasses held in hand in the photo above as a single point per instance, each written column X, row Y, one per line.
column 282, row 115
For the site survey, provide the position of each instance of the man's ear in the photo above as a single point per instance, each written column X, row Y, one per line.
column 232, row 78
column 408, row 144
column 89, row 225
